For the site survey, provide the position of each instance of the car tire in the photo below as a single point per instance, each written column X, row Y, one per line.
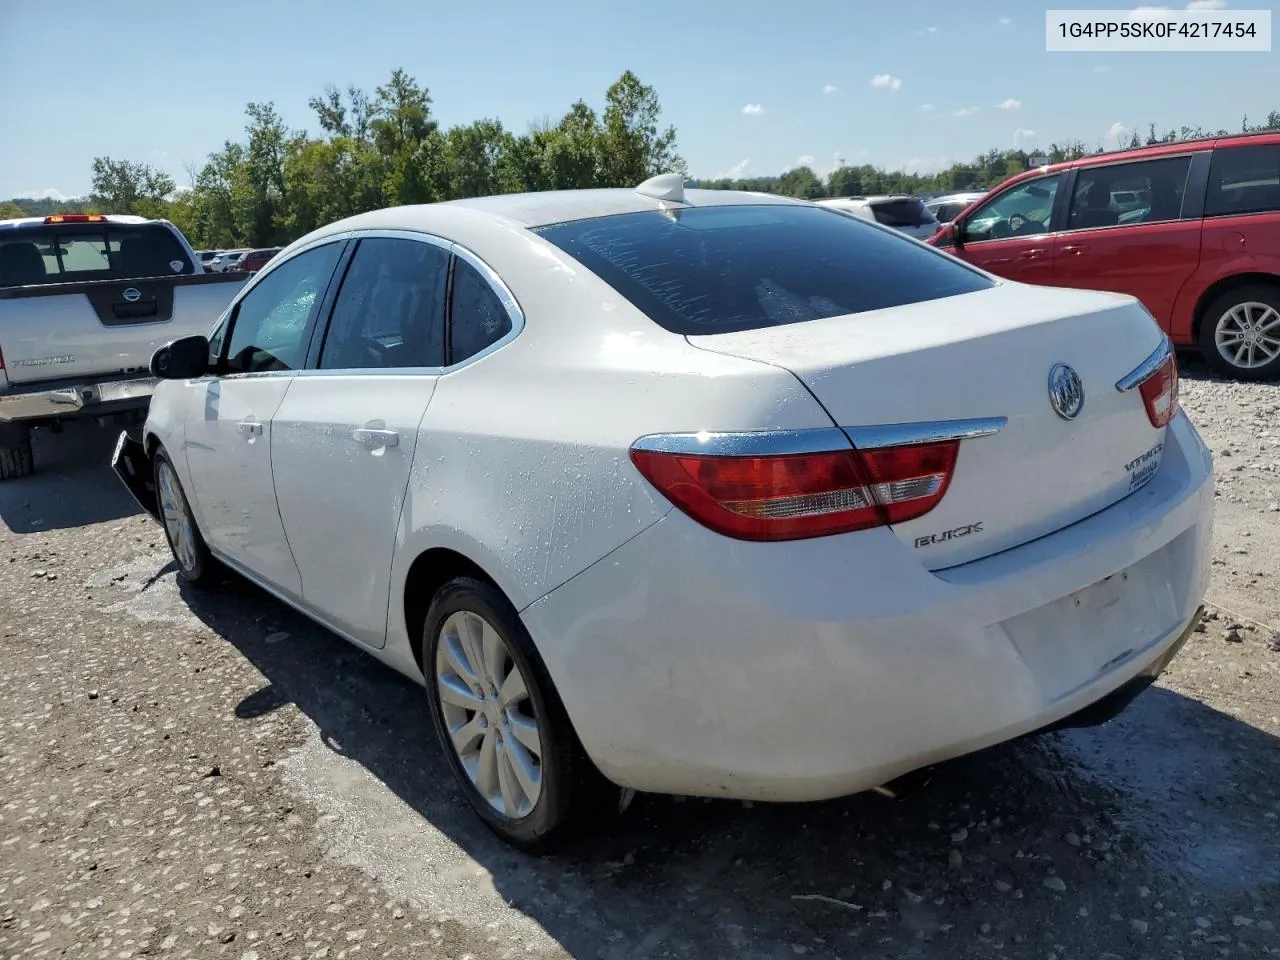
column 17, row 460
column 1237, row 313
column 488, row 740
column 196, row 564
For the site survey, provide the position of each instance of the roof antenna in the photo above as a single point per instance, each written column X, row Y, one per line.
column 665, row 186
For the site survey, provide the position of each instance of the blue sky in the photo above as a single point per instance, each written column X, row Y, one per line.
column 752, row 87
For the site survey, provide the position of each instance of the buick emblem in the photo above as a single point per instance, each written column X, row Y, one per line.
column 132, row 294
column 1066, row 392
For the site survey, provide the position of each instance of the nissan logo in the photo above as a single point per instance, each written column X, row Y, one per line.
column 132, row 294
column 1066, row 392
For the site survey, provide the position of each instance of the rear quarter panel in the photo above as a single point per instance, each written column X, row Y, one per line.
column 1229, row 247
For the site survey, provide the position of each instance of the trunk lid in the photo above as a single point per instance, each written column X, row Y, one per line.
column 983, row 355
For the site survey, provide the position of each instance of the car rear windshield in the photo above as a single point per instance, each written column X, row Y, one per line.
column 722, row 269
column 68, row 253
column 907, row 212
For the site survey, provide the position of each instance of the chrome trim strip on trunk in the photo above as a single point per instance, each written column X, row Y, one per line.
column 747, row 443
column 1147, row 368
column 778, row 443
column 929, row 431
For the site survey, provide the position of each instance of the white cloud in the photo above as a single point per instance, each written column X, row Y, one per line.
column 966, row 111
column 1148, row 13
column 927, row 108
column 734, row 172
column 1009, row 104
column 1004, row 21
column 933, row 29
column 1207, row 5
column 753, row 109
column 1117, row 135
column 830, row 88
column 805, row 161
column 926, row 165
column 885, row 81
column 1022, row 137
column 48, row 193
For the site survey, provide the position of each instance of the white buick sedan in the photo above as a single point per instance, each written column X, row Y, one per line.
column 702, row 493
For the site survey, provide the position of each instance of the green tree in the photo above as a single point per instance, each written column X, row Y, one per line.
column 844, row 182
column 632, row 147
column 801, row 182
column 129, row 186
column 11, row 211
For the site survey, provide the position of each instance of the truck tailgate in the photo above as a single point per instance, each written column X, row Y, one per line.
column 107, row 327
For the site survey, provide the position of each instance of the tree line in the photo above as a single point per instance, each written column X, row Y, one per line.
column 386, row 148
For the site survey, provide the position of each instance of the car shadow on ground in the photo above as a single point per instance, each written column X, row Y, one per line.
column 1154, row 794
column 73, row 485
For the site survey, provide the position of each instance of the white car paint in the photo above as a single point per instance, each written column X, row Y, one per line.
column 690, row 662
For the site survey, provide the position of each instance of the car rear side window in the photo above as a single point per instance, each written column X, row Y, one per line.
column 744, row 267
column 390, row 310
column 69, row 253
column 272, row 324
column 477, row 318
column 1244, row 180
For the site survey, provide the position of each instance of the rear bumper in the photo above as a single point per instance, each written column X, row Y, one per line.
column 71, row 400
column 133, row 467
column 693, row 664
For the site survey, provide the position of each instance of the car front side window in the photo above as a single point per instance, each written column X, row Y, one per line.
column 272, row 324
column 1023, row 210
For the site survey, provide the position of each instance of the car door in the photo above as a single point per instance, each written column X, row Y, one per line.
column 344, row 438
column 1148, row 251
column 1009, row 234
column 228, row 437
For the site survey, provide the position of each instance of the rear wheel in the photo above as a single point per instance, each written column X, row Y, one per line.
column 16, row 459
column 503, row 728
column 1240, row 332
column 195, row 563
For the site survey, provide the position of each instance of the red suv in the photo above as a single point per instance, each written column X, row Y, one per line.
column 1191, row 229
column 255, row 260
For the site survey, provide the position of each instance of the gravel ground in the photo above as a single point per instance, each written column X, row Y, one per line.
column 208, row 775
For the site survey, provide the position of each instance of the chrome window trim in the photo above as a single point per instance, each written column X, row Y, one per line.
column 775, row 443
column 1147, row 368
column 514, row 311
column 928, row 431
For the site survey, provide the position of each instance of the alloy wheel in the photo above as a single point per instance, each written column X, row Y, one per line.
column 1248, row 335
column 177, row 517
column 489, row 715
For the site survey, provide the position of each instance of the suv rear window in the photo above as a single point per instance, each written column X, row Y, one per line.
column 1244, row 180
column 68, row 253
column 907, row 212
column 723, row 269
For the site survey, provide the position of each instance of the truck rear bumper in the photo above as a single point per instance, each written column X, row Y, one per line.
column 68, row 401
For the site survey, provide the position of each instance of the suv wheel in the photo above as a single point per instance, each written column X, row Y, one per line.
column 1240, row 333
column 16, row 459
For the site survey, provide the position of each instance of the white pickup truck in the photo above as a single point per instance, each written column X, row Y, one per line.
column 85, row 299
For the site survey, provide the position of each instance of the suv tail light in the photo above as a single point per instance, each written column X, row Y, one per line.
column 1156, row 380
column 791, row 496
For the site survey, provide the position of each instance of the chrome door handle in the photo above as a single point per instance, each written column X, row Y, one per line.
column 249, row 428
column 1076, row 248
column 375, row 438
column 1034, row 254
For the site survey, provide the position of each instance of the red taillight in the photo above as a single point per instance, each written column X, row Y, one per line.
column 1160, row 393
column 793, row 496
column 75, row 218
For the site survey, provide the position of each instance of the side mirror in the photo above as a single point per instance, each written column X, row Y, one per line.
column 949, row 235
column 181, row 359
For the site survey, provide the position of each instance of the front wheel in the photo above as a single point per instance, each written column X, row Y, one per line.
column 195, row 563
column 503, row 728
column 1240, row 333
